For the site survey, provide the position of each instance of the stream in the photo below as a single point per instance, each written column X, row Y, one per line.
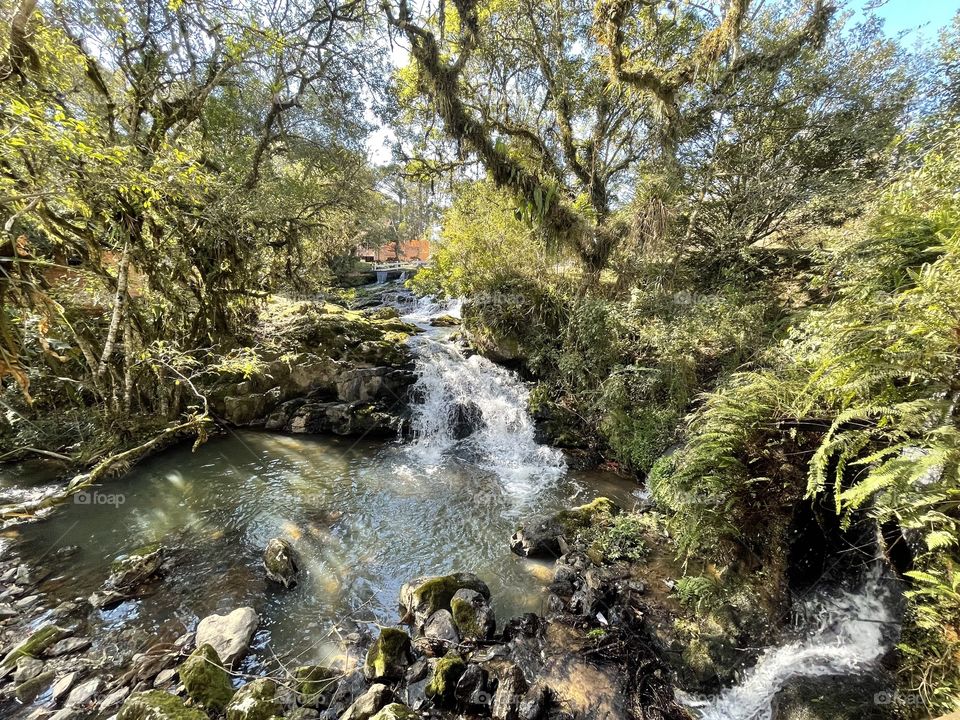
column 364, row 516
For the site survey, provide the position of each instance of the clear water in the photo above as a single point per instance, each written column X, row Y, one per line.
column 364, row 517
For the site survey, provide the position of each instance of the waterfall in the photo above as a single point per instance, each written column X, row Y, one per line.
column 469, row 409
column 381, row 277
column 845, row 633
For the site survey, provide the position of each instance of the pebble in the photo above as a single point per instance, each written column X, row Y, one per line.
column 114, row 698
column 70, row 645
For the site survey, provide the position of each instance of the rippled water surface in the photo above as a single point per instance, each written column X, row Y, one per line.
column 363, row 516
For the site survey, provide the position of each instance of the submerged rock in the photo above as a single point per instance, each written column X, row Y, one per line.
column 205, row 680
column 229, row 634
column 128, row 574
column 280, row 562
column 157, row 705
column 545, row 536
column 389, row 655
column 34, row 645
column 424, row 596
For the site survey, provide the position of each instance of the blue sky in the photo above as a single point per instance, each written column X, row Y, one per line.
column 921, row 18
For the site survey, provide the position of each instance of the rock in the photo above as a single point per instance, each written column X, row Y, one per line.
column 67, row 714
column 157, row 705
column 164, row 677
column 563, row 581
column 7, row 611
column 842, row 697
column 257, row 700
column 544, row 536
column 510, row 690
column 205, row 680
column 368, row 704
column 424, row 596
column 350, row 687
column 34, row 645
column 471, row 691
column 442, row 686
column 128, row 574
column 27, row 669
column 473, row 615
column 388, row 656
column 439, row 634
column 533, row 703
column 302, row 713
column 444, row 321
column 280, row 562
column 527, row 625
column 228, row 634
column 67, row 646
column 467, row 418
column 84, row 692
column 315, row 684
column 114, row 698
column 395, row 711
column 416, row 679
column 29, row 689
column 61, row 686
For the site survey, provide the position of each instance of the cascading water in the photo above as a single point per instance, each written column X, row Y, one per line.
column 846, row 633
column 470, row 409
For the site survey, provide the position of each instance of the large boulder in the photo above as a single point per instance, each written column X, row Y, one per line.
column 257, row 700
column 280, row 562
column 205, row 680
column 472, row 615
column 424, row 596
column 229, row 634
column 545, row 536
column 389, row 655
column 157, row 705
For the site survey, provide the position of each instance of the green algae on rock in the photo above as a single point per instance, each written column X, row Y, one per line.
column 205, row 680
column 388, row 656
column 157, row 705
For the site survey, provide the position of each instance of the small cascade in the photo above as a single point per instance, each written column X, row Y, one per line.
column 469, row 409
column 381, row 277
column 844, row 633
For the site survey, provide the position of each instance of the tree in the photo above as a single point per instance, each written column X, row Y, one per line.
column 578, row 109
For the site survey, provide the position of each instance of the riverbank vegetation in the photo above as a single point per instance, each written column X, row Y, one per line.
column 722, row 244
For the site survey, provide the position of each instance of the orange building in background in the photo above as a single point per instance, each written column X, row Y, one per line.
column 414, row 251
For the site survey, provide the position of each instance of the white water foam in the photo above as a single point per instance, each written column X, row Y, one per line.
column 846, row 634
column 450, row 384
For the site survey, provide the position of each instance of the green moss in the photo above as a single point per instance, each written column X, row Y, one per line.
column 312, row 681
column 255, row 701
column 27, row 691
column 465, row 618
column 389, row 655
column 445, row 675
column 436, row 593
column 395, row 711
column 205, row 680
column 157, row 705
column 34, row 645
column 584, row 516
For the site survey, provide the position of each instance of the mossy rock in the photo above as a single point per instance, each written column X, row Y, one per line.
column 34, row 645
column 257, row 700
column 424, row 596
column 157, row 705
column 205, row 680
column 27, row 691
column 395, row 711
column 445, row 675
column 472, row 615
column 314, row 683
column 541, row 536
column 389, row 655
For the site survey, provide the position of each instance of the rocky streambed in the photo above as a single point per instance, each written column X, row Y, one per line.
column 446, row 653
